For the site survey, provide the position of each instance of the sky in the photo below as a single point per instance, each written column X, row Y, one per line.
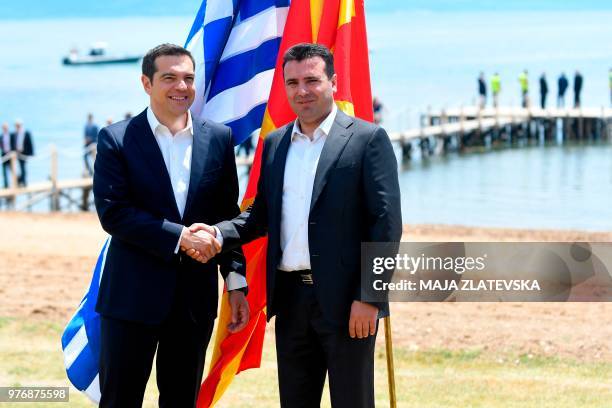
column 39, row 9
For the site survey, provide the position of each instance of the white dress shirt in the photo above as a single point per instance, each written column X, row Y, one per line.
column 177, row 151
column 300, row 169
column 20, row 140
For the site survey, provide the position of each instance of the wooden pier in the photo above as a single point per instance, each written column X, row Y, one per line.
column 52, row 189
column 460, row 128
column 440, row 132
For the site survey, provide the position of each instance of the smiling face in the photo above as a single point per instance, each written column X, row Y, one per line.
column 172, row 88
column 309, row 91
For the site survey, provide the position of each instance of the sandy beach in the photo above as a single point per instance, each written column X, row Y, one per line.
column 46, row 262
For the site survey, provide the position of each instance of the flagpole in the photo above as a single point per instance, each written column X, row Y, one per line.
column 390, row 368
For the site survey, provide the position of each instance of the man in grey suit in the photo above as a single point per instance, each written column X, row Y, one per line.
column 328, row 183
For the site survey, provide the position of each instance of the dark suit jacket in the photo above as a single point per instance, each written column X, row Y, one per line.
column 136, row 206
column 28, row 145
column 11, row 145
column 355, row 198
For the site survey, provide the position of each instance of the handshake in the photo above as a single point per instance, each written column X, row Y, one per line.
column 200, row 242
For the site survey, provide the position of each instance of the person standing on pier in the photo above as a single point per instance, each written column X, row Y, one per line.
column 25, row 149
column 377, row 108
column 91, row 138
column 577, row 88
column 524, row 81
column 562, row 85
column 495, row 88
column 6, row 146
column 482, row 90
column 155, row 174
column 543, row 90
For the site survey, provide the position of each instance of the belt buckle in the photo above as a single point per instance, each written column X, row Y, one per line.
column 306, row 278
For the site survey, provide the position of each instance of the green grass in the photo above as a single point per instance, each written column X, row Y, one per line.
column 30, row 354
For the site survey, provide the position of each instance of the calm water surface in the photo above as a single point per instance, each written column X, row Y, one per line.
column 422, row 53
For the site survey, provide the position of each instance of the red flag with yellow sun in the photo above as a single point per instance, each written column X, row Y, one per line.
column 340, row 26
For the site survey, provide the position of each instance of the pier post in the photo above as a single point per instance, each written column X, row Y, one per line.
column 13, row 170
column 496, row 135
column 566, row 126
column 12, row 200
column 580, row 124
column 479, row 135
column 604, row 125
column 53, row 177
column 85, row 199
column 443, row 138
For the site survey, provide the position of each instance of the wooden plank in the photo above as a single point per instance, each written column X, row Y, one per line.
column 472, row 111
column 451, row 128
column 31, row 189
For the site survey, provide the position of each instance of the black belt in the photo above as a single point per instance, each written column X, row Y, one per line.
column 305, row 275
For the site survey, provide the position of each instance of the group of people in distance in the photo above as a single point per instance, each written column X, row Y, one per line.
column 523, row 79
column 20, row 142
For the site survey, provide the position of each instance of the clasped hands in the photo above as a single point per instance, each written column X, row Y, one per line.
column 200, row 243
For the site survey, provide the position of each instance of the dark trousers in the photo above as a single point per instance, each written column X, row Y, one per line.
column 88, row 157
column 6, row 170
column 22, row 179
column 543, row 100
column 126, row 359
column 308, row 348
column 560, row 101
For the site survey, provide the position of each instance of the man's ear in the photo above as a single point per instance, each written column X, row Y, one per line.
column 146, row 84
column 334, row 81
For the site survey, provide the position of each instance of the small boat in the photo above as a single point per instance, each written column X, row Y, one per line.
column 97, row 55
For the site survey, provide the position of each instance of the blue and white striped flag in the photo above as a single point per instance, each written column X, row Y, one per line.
column 235, row 44
column 81, row 338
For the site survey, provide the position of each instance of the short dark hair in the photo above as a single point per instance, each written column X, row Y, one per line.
column 148, row 62
column 302, row 51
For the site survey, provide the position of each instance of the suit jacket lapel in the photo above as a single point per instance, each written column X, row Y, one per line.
column 334, row 144
column 278, row 170
column 153, row 156
column 199, row 154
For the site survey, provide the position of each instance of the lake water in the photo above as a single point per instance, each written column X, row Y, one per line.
column 427, row 53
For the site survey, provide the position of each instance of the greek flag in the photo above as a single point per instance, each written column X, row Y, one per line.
column 81, row 338
column 235, row 44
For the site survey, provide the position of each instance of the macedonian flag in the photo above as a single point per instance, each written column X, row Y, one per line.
column 339, row 25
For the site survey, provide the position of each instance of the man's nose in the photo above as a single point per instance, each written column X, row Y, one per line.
column 182, row 85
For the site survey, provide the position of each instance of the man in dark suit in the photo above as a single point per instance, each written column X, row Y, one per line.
column 328, row 183
column 91, row 138
column 24, row 146
column 155, row 174
column 543, row 90
column 578, row 80
column 562, row 85
column 7, row 145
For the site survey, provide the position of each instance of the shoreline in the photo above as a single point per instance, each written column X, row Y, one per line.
column 46, row 262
